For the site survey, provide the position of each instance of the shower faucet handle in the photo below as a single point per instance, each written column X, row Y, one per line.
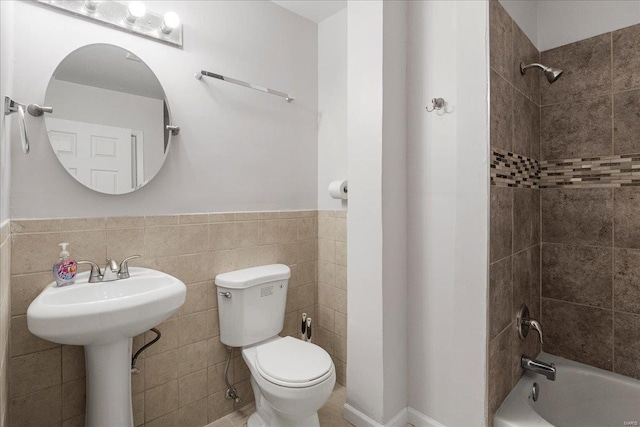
column 524, row 322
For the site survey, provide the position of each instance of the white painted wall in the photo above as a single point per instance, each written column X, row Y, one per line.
column 550, row 24
column 6, row 89
column 377, row 329
column 447, row 179
column 562, row 22
column 332, row 107
column 238, row 149
column 364, row 222
column 394, row 207
column 117, row 109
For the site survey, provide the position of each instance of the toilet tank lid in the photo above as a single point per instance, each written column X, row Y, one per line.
column 253, row 276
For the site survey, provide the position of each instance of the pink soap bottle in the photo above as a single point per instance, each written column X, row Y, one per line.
column 64, row 271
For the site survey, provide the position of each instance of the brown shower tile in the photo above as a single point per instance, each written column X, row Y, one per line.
column 526, row 281
column 582, row 217
column 526, row 126
column 525, row 51
column 626, row 218
column 577, row 274
column 500, row 296
column 576, row 129
column 501, row 111
column 626, row 122
column 501, row 222
column 526, row 218
column 500, row 369
column 587, row 70
column 626, row 58
column 501, row 37
column 580, row 333
column 627, row 344
column 626, row 281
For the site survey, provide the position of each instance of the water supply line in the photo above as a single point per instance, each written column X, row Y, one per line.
column 134, row 359
column 231, row 390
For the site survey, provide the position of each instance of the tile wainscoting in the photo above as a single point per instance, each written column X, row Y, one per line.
column 181, row 380
column 5, row 315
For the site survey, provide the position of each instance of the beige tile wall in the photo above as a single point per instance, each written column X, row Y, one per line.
column 5, row 313
column 331, row 327
column 181, row 381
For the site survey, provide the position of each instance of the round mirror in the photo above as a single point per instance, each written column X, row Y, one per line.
column 109, row 122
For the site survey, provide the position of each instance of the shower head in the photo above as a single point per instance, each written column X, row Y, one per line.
column 552, row 74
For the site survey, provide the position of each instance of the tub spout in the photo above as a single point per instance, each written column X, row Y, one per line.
column 542, row 368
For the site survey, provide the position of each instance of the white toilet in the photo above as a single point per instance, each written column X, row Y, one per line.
column 291, row 378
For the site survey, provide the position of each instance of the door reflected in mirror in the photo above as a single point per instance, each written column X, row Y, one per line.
column 109, row 122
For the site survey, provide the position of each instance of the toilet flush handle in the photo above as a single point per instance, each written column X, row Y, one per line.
column 225, row 294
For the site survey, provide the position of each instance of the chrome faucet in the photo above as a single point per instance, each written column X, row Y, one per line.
column 111, row 271
column 542, row 368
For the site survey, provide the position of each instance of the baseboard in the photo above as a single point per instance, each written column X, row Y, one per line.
column 360, row 419
column 418, row 419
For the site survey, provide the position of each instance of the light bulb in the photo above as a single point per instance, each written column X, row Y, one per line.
column 136, row 10
column 91, row 5
column 170, row 22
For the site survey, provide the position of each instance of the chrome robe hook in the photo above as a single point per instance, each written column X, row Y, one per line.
column 436, row 104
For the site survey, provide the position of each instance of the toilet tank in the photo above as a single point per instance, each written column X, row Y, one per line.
column 251, row 303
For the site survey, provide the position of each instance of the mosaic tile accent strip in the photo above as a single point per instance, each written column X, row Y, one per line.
column 591, row 172
column 513, row 170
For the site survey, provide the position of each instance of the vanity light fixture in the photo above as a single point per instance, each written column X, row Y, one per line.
column 170, row 22
column 130, row 16
column 136, row 10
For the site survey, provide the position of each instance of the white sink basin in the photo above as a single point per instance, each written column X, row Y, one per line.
column 104, row 317
column 98, row 313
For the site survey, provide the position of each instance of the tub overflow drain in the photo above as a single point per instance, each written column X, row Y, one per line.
column 535, row 392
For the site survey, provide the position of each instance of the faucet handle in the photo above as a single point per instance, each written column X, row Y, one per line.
column 524, row 323
column 123, row 273
column 94, row 275
column 535, row 325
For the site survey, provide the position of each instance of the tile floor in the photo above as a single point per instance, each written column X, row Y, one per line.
column 330, row 414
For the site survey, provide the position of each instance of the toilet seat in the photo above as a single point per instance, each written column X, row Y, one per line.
column 293, row 363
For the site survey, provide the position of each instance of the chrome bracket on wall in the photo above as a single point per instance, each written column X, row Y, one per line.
column 11, row 106
column 117, row 15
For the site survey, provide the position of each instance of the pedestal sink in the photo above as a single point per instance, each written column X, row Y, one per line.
column 104, row 317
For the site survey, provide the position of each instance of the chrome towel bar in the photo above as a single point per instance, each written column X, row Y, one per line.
column 199, row 75
column 11, row 106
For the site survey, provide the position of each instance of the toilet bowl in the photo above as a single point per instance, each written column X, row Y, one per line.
column 291, row 379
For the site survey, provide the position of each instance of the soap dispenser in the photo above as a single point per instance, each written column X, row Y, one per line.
column 64, row 271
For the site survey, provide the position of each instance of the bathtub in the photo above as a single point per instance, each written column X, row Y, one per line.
column 581, row 396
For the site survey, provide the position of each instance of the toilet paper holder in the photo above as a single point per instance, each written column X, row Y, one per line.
column 339, row 189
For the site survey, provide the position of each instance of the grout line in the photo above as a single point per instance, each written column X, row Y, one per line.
column 613, row 280
column 577, row 304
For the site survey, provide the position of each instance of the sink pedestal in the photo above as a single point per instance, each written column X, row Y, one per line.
column 109, row 384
